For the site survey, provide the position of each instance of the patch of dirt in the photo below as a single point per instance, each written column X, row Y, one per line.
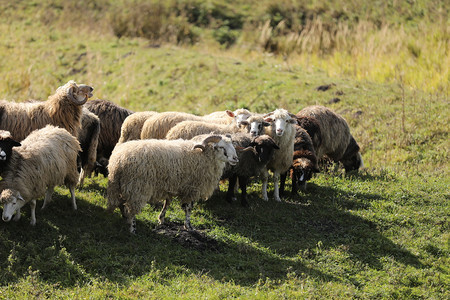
column 190, row 239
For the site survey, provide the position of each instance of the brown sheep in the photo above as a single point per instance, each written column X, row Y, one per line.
column 111, row 118
column 62, row 109
column 304, row 164
column 331, row 138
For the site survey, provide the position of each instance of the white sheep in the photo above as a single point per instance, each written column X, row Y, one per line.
column 149, row 171
column 283, row 133
column 62, row 109
column 46, row 158
column 157, row 126
column 132, row 126
column 186, row 130
column 255, row 124
column 236, row 117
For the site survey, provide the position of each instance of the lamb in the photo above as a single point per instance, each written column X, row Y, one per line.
column 62, row 109
column 111, row 118
column 333, row 139
column 283, row 133
column 132, row 126
column 188, row 129
column 88, row 138
column 254, row 153
column 304, row 161
column 46, row 158
column 157, row 126
column 144, row 171
column 6, row 144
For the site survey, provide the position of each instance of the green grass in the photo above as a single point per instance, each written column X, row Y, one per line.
column 382, row 233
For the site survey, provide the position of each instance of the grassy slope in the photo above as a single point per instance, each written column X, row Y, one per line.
column 383, row 233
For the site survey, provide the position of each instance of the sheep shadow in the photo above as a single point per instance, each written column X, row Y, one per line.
column 320, row 218
column 69, row 247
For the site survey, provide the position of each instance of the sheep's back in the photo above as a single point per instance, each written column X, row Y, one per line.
column 44, row 160
column 334, row 131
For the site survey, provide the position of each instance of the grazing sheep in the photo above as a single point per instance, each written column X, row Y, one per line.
column 154, row 170
column 132, row 126
column 283, row 133
column 253, row 153
column 88, row 138
column 157, row 126
column 335, row 140
column 62, row 109
column 186, row 130
column 304, row 164
column 46, row 158
column 6, row 144
column 111, row 118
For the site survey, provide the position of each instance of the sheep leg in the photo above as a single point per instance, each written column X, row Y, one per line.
column 187, row 210
column 230, row 197
column 265, row 179
column 33, row 212
column 294, row 182
column 81, row 178
column 48, row 197
column 243, row 184
column 276, row 191
column 282, row 182
column 132, row 221
column 162, row 214
column 74, row 201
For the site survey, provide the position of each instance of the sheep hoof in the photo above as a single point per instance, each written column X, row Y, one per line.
column 265, row 198
column 278, row 199
column 33, row 222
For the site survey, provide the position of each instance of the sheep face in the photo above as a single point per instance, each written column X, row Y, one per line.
column 280, row 124
column 78, row 94
column 227, row 153
column 353, row 163
column 264, row 147
column 6, row 145
column 256, row 128
column 12, row 202
column 239, row 115
column 302, row 171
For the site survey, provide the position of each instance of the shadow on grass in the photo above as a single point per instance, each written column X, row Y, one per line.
column 71, row 248
column 312, row 221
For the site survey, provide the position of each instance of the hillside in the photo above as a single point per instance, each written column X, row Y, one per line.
column 382, row 233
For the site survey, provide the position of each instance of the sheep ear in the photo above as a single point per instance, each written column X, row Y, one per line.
column 265, row 124
column 245, row 123
column 230, row 113
column 16, row 144
column 268, row 114
column 268, row 119
column 292, row 121
column 242, row 149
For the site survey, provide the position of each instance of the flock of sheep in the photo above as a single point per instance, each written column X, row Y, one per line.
column 151, row 157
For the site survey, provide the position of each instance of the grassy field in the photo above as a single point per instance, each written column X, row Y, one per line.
column 382, row 233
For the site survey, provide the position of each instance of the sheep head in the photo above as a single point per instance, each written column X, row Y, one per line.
column 6, row 145
column 264, row 147
column 280, row 119
column 255, row 125
column 223, row 146
column 302, row 171
column 78, row 94
column 12, row 202
column 239, row 115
